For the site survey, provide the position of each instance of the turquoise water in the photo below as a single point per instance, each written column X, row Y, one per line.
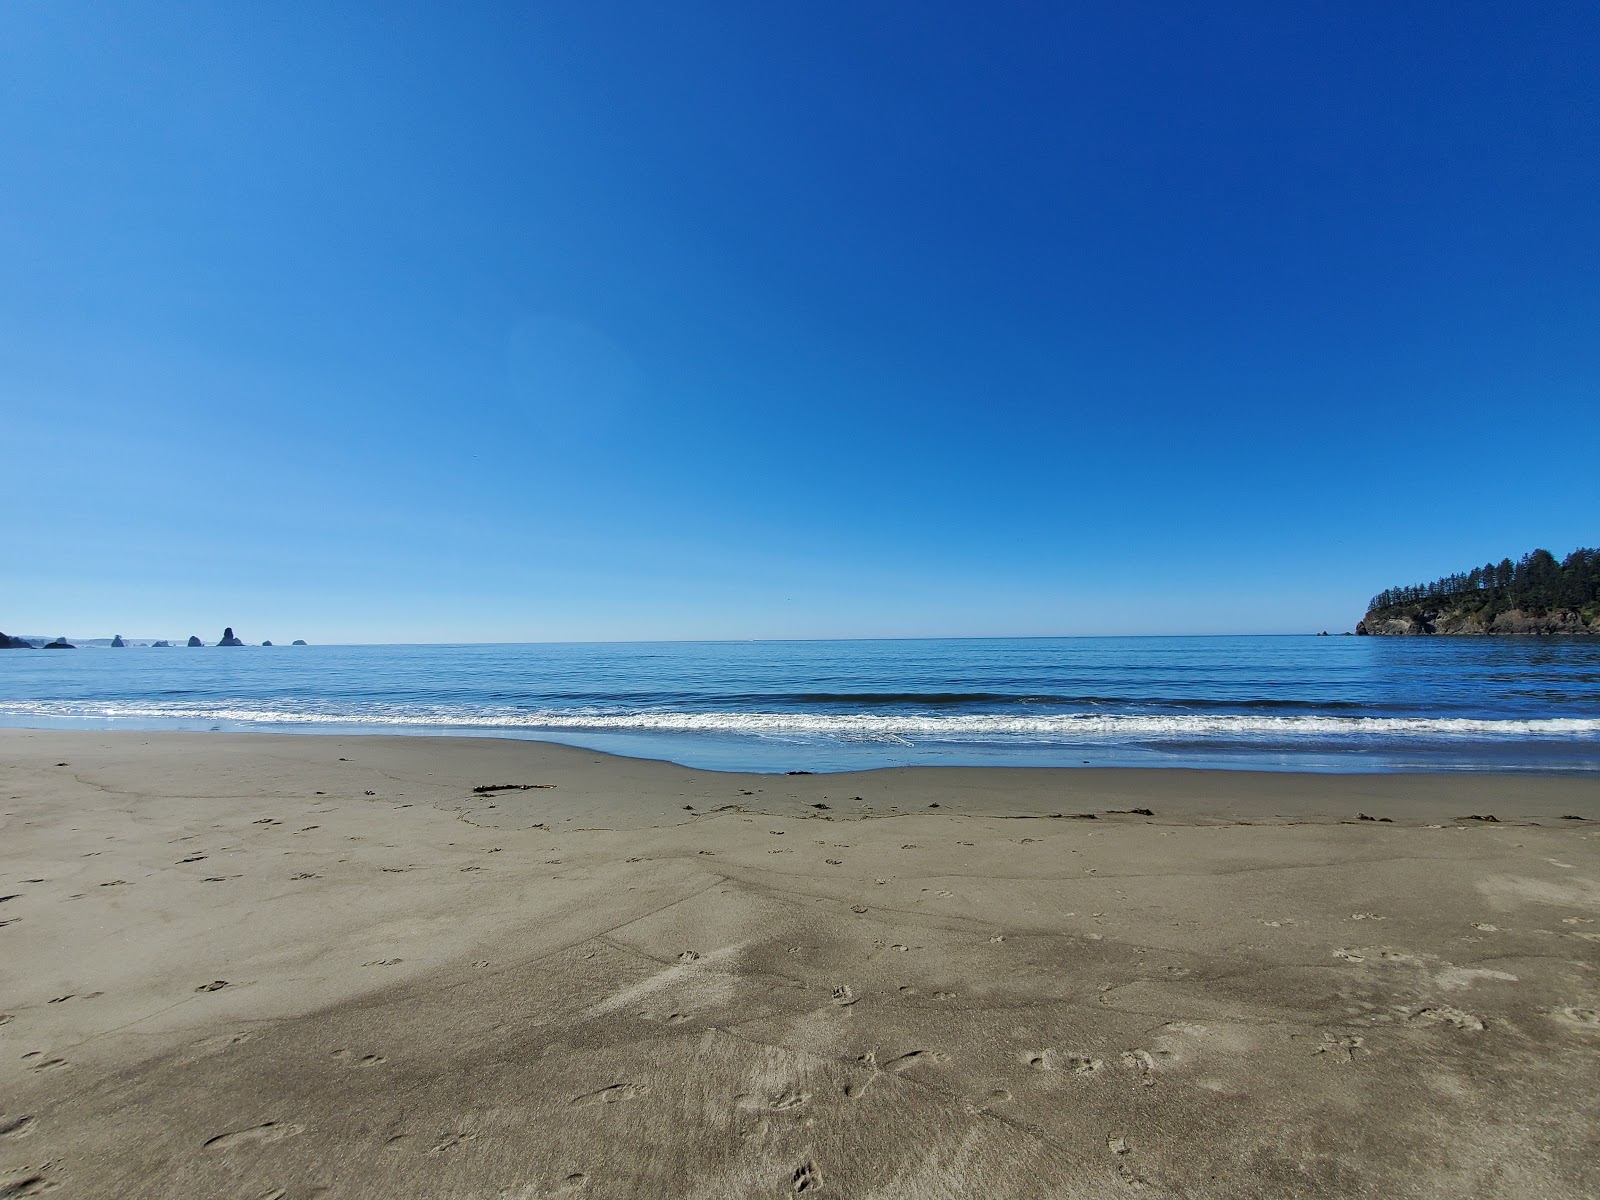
column 1291, row 703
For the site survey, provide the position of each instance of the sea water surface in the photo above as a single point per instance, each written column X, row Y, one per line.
column 1274, row 703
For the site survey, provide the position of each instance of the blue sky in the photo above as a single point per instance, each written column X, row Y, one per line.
column 564, row 320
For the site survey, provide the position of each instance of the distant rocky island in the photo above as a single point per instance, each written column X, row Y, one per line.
column 116, row 642
column 1537, row 594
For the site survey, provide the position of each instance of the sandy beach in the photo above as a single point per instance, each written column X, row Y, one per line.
column 275, row 967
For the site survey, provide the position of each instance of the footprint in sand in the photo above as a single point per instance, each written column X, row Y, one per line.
column 844, row 995
column 31, row 1185
column 806, row 1178
column 1342, row 1047
column 257, row 1135
column 1050, row 1060
column 21, row 1127
column 366, row 1060
column 1144, row 1064
column 916, row 1058
column 787, row 1100
column 614, row 1094
column 1587, row 1018
column 1445, row 1015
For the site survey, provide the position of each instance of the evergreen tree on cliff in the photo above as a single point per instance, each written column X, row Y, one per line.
column 1535, row 594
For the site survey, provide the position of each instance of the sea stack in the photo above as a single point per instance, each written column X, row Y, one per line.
column 194, row 641
column 228, row 639
column 14, row 643
column 60, row 643
column 118, row 644
column 298, row 642
column 162, row 644
column 266, row 643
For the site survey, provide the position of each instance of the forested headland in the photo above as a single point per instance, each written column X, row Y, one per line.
column 1537, row 593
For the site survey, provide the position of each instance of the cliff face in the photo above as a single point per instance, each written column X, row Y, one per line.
column 1422, row 619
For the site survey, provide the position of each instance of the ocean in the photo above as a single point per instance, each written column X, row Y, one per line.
column 1337, row 704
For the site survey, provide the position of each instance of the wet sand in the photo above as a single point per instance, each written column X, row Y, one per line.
column 281, row 967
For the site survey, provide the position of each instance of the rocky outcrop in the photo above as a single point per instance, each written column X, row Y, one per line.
column 163, row 644
column 228, row 639
column 60, row 644
column 15, row 643
column 118, row 644
column 298, row 642
column 1423, row 620
column 266, row 643
column 194, row 641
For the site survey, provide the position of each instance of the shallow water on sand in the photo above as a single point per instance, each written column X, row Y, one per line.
column 1274, row 703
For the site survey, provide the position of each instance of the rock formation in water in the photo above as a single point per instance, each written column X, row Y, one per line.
column 117, row 643
column 228, row 639
column 266, row 643
column 60, row 644
column 162, row 644
column 15, row 643
column 194, row 641
column 298, row 642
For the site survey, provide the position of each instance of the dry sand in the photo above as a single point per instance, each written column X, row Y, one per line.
column 261, row 966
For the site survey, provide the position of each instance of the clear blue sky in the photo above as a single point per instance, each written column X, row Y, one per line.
column 403, row 322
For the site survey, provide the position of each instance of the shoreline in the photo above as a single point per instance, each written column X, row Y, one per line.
column 634, row 746
column 302, row 965
column 1223, row 792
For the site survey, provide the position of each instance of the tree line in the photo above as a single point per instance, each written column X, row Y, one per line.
column 1537, row 584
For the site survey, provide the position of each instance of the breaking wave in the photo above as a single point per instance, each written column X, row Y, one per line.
column 1058, row 728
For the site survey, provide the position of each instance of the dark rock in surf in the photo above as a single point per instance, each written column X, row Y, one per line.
column 15, row 643
column 163, row 644
column 228, row 639
column 60, row 644
column 298, row 642
column 118, row 644
column 194, row 641
column 266, row 643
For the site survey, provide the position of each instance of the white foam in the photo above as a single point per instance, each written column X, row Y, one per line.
column 1059, row 727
